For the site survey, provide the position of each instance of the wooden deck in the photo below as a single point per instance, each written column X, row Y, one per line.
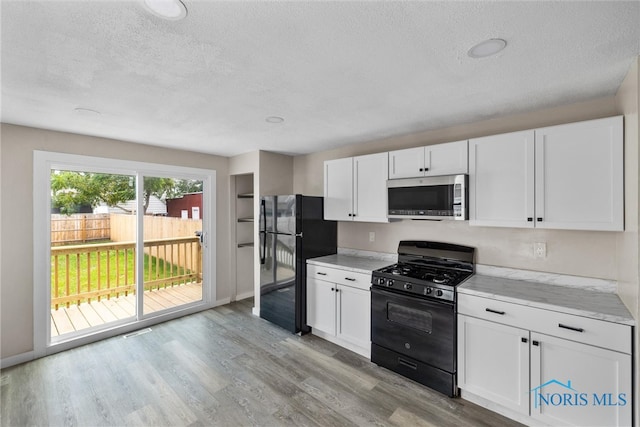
column 78, row 317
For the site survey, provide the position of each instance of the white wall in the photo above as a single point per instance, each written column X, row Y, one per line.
column 628, row 250
column 16, row 280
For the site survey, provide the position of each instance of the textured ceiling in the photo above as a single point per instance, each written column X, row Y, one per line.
column 337, row 72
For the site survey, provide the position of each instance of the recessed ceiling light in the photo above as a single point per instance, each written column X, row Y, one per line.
column 87, row 112
column 274, row 119
column 172, row 10
column 487, row 48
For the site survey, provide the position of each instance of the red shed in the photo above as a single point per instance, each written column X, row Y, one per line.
column 187, row 206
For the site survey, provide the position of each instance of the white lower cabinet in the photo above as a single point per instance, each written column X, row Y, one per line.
column 339, row 307
column 493, row 362
column 321, row 305
column 580, row 384
column 543, row 367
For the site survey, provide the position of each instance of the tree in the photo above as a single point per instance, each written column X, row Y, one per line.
column 71, row 190
column 158, row 187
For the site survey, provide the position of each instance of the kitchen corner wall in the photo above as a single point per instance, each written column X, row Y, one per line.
column 580, row 253
column 273, row 174
column 628, row 250
column 16, row 170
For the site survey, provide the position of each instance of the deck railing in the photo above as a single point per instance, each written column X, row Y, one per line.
column 82, row 273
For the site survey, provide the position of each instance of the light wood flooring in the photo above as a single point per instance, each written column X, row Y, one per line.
column 222, row 367
column 77, row 317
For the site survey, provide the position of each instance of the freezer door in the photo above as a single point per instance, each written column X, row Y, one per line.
column 286, row 214
column 278, row 292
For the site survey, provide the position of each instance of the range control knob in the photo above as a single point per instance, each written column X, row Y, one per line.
column 390, row 282
column 439, row 293
column 427, row 291
column 381, row 281
column 408, row 286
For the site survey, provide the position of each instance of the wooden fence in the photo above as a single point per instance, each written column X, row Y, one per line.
column 79, row 228
column 123, row 227
column 82, row 273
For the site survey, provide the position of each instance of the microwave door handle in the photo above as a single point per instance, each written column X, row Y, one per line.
column 460, row 186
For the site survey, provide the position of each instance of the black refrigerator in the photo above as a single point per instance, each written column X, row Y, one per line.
column 292, row 230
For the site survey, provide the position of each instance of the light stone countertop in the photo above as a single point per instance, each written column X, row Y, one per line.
column 587, row 303
column 351, row 263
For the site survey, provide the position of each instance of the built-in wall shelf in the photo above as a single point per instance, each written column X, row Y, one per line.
column 245, row 234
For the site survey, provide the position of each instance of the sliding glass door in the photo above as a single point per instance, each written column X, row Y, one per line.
column 125, row 244
column 92, row 251
column 173, row 236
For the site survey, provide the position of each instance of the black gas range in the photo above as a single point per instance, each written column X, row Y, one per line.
column 413, row 312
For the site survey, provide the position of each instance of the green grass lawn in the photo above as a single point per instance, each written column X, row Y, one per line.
column 126, row 271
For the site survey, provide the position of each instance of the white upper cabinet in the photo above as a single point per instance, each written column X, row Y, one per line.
column 501, row 180
column 406, row 163
column 579, row 176
column 355, row 188
column 338, row 189
column 440, row 159
column 561, row 177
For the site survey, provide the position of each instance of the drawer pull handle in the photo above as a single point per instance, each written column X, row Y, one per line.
column 350, row 279
column 536, row 343
column 408, row 364
column 333, row 289
column 494, row 311
column 571, row 328
column 321, row 274
column 524, row 340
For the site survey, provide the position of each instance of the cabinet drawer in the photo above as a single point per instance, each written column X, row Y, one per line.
column 600, row 333
column 339, row 276
column 494, row 310
column 612, row 336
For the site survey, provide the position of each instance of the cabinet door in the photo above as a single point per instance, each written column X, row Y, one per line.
column 338, row 189
column 370, row 187
column 354, row 316
column 501, row 180
column 321, row 305
column 447, row 159
column 407, row 163
column 579, row 384
column 493, row 362
column 579, row 176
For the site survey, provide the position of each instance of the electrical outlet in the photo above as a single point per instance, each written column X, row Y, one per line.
column 372, row 236
column 540, row 250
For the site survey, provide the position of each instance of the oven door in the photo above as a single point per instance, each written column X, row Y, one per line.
column 416, row 327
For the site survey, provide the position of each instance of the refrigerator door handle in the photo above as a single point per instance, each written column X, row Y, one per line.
column 263, row 232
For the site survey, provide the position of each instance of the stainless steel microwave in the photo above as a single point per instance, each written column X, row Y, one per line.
column 435, row 197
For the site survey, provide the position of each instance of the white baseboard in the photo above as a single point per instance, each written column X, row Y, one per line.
column 220, row 302
column 17, row 359
column 256, row 311
column 244, row 295
column 487, row 404
column 366, row 352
